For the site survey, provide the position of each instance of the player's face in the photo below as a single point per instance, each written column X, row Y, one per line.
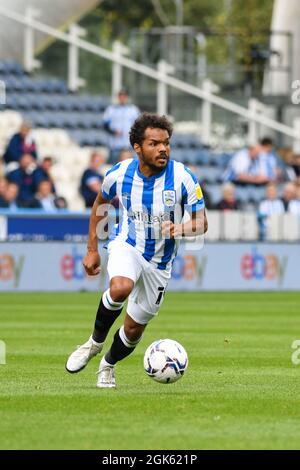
column 155, row 149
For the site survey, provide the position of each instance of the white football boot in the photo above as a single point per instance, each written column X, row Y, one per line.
column 106, row 376
column 79, row 358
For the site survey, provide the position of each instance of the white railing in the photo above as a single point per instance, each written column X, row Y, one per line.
column 244, row 226
column 161, row 75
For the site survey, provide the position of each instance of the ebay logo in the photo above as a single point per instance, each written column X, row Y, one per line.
column 256, row 266
column 71, row 266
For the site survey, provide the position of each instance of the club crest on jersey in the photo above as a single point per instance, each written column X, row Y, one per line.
column 169, row 197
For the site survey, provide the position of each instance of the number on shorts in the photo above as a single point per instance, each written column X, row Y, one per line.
column 161, row 291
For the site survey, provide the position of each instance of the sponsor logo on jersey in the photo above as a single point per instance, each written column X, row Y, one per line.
column 147, row 218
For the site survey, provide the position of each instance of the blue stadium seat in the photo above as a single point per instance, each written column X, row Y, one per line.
column 65, row 102
column 178, row 154
column 10, row 67
column 37, row 118
column 243, row 194
column 210, row 175
column 78, row 136
column 214, row 192
column 225, row 159
column 190, row 155
column 51, row 102
column 11, row 101
column 256, row 194
column 72, row 120
column 203, row 157
column 13, row 83
column 36, row 101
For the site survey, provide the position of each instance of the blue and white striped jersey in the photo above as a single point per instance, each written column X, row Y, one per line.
column 147, row 202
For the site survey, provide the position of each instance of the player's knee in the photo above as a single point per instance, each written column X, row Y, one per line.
column 120, row 290
column 133, row 332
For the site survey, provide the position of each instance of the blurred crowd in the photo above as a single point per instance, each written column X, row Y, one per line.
column 27, row 181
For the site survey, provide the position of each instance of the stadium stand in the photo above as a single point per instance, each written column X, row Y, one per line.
column 68, row 126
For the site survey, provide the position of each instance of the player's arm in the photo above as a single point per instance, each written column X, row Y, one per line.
column 92, row 260
column 197, row 225
column 193, row 204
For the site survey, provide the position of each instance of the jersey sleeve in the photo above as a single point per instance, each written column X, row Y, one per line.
column 109, row 185
column 192, row 196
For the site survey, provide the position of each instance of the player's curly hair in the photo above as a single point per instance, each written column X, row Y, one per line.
column 145, row 120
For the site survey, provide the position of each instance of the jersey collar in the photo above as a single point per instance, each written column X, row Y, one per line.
column 153, row 177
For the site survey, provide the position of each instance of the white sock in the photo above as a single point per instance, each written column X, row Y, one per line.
column 95, row 342
column 109, row 303
column 104, row 363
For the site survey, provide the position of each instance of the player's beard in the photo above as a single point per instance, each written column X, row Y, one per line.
column 152, row 164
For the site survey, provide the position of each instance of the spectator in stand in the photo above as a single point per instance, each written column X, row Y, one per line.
column 20, row 144
column 45, row 197
column 267, row 207
column 10, row 199
column 292, row 162
column 296, row 167
column 24, row 179
column 228, row 202
column 118, row 119
column 43, row 172
column 294, row 205
column 3, row 188
column 271, row 204
column 254, row 165
column 61, row 203
column 91, row 180
column 289, row 193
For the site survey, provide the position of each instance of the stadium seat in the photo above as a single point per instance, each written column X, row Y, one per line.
column 243, row 194
column 203, row 157
column 210, row 175
column 10, row 67
column 215, row 193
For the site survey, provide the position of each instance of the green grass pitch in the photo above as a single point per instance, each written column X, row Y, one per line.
column 241, row 390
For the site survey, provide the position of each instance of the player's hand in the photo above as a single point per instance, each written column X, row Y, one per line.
column 92, row 262
column 170, row 230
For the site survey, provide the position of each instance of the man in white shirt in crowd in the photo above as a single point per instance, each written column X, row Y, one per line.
column 269, row 206
column 118, row 119
column 254, row 165
column 294, row 204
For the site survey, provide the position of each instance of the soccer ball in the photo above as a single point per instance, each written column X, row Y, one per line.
column 165, row 361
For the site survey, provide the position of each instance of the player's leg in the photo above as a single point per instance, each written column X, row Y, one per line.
column 144, row 303
column 110, row 307
column 123, row 271
column 124, row 343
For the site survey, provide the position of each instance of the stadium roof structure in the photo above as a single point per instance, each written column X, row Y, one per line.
column 57, row 14
column 286, row 19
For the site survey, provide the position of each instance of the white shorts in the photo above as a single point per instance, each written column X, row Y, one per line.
column 150, row 283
